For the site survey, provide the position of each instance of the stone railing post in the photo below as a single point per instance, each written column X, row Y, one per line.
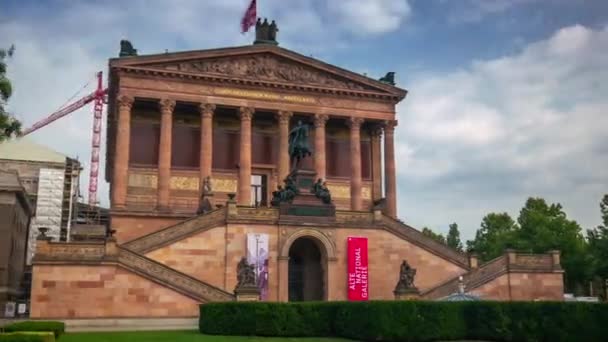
column 473, row 261
column 556, row 259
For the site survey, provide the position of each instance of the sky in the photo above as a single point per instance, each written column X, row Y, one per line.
column 507, row 99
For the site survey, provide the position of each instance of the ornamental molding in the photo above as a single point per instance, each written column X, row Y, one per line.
column 260, row 66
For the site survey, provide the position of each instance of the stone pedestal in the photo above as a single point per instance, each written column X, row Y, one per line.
column 407, row 294
column 247, row 294
column 305, row 203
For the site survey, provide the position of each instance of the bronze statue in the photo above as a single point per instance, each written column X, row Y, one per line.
column 126, row 49
column 272, row 31
column 298, row 144
column 321, row 191
column 245, row 274
column 389, row 78
column 277, row 196
column 406, row 277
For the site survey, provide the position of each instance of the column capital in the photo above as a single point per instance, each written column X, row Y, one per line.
column 320, row 120
column 206, row 109
column 125, row 101
column 389, row 126
column 376, row 131
column 246, row 113
column 354, row 123
column 166, row 106
column 283, row 116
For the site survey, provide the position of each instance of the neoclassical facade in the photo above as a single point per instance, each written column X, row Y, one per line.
column 177, row 119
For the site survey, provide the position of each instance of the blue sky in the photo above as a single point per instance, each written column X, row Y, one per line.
column 507, row 98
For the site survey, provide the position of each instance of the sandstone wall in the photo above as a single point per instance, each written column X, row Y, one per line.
column 523, row 286
column 62, row 291
column 202, row 256
column 385, row 254
column 131, row 227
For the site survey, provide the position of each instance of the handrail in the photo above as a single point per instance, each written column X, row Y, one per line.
column 166, row 236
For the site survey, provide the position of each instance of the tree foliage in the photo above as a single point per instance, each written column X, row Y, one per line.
column 436, row 236
column 9, row 126
column 598, row 244
column 453, row 237
column 496, row 234
column 540, row 227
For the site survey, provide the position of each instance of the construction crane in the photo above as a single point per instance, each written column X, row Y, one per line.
column 99, row 97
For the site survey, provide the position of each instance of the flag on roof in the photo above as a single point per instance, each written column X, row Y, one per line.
column 249, row 17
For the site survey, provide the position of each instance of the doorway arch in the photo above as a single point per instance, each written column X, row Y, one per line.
column 319, row 252
column 306, row 273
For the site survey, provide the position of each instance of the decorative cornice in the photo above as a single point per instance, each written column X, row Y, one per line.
column 264, row 84
column 152, row 63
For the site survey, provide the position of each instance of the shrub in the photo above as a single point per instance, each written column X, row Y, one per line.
column 27, row 337
column 411, row 320
column 56, row 328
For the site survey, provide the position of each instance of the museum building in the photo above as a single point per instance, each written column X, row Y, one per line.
column 205, row 190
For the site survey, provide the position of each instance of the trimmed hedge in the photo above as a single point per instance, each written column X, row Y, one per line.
column 27, row 337
column 58, row 328
column 410, row 320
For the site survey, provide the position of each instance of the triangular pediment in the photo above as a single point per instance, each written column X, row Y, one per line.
column 262, row 64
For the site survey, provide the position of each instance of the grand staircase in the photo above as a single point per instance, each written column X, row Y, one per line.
column 471, row 280
column 169, row 277
column 181, row 230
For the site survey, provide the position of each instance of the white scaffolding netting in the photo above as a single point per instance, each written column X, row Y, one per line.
column 48, row 207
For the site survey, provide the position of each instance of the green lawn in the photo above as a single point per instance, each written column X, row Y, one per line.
column 176, row 336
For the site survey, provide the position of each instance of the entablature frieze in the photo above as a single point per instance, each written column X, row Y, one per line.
column 266, row 99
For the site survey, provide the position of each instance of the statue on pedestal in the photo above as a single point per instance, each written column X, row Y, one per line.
column 406, row 278
column 245, row 274
column 298, row 144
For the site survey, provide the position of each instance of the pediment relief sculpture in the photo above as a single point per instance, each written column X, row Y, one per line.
column 264, row 67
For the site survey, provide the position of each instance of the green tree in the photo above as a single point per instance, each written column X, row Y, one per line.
column 9, row 126
column 453, row 237
column 436, row 236
column 598, row 243
column 544, row 227
column 497, row 233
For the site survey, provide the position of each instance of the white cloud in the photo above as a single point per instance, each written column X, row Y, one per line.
column 530, row 124
column 471, row 11
column 370, row 16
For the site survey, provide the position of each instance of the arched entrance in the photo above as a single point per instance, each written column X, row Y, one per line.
column 306, row 271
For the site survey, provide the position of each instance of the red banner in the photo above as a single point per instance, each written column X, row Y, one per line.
column 358, row 283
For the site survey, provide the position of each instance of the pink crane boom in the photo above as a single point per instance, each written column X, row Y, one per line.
column 98, row 96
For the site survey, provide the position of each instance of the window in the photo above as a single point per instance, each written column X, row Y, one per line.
column 185, row 146
column 258, row 190
column 145, row 140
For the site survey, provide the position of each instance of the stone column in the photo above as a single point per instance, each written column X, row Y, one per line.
column 164, row 153
column 355, row 163
column 376, row 134
column 244, row 183
column 319, row 152
column 283, row 117
column 390, row 177
column 120, row 177
column 206, row 151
